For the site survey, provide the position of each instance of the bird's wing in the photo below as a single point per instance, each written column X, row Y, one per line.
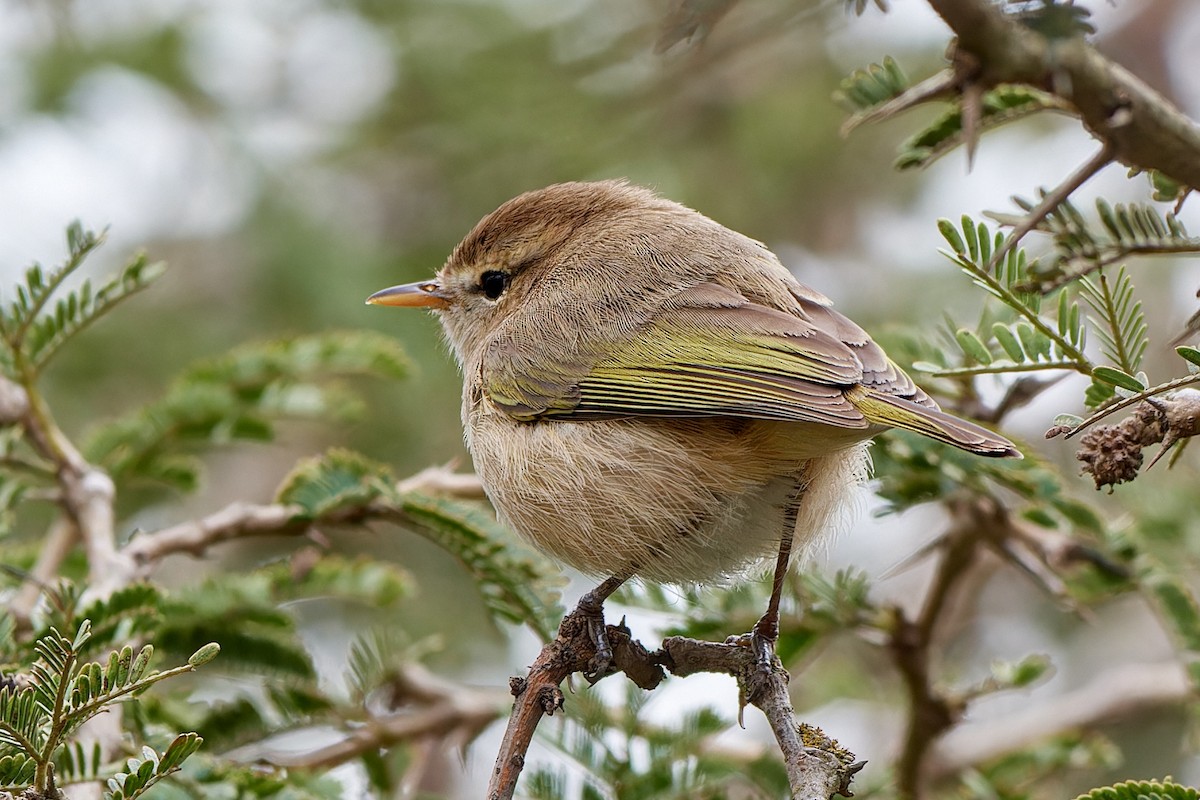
column 707, row 351
column 879, row 373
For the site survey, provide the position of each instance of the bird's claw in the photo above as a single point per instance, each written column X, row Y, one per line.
column 591, row 611
column 600, row 664
column 764, row 652
column 762, row 640
column 762, row 645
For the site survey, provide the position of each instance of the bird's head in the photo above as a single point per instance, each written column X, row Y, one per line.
column 510, row 255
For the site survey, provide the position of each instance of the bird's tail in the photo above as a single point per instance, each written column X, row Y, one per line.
column 899, row 412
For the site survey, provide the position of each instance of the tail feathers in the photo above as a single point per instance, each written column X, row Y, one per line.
column 898, row 412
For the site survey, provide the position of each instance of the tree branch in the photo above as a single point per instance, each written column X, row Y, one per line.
column 433, row 708
column 1116, row 694
column 1140, row 127
column 931, row 711
column 818, row 767
column 241, row 520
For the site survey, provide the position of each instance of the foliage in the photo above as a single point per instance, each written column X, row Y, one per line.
column 323, row 597
column 1135, row 790
column 241, row 395
column 52, row 686
column 43, row 709
column 1034, row 343
column 515, row 583
column 33, row 331
column 1000, row 106
column 620, row 754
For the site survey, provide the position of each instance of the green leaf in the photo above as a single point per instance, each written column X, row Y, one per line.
column 182, row 747
column 33, row 296
column 369, row 581
column 338, row 479
column 1166, row 190
column 204, row 655
column 79, row 309
column 1190, row 354
column 1142, row 790
column 130, row 609
column 1098, row 393
column 240, row 396
column 972, row 346
column 868, row 88
column 1119, row 319
column 516, row 584
column 1116, row 377
column 1179, row 606
column 1083, row 247
column 16, row 771
column 1018, row 674
column 144, row 773
column 1008, row 341
column 1001, row 105
column 971, row 234
column 1032, row 341
column 952, row 237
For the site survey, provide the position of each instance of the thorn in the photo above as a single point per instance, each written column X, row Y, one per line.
column 972, row 115
column 1167, row 443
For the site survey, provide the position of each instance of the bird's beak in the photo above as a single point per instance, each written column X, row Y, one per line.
column 427, row 294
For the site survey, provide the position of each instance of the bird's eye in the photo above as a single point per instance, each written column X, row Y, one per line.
column 493, row 283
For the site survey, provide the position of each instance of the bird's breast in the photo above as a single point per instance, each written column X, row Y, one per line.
column 671, row 500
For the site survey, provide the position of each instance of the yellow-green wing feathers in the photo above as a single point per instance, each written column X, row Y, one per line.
column 709, row 351
column 708, row 390
column 899, row 412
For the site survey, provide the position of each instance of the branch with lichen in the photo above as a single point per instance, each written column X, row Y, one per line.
column 818, row 768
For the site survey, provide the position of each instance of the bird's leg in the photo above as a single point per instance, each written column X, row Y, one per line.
column 766, row 630
column 591, row 608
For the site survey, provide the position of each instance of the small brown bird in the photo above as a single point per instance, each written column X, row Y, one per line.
column 648, row 393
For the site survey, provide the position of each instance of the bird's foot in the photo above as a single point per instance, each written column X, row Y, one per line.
column 762, row 640
column 591, row 610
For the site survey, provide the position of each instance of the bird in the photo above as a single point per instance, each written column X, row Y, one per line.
column 650, row 394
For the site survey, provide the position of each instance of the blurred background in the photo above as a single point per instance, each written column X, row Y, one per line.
column 289, row 157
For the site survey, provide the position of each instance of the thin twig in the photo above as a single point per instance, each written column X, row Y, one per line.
column 60, row 540
column 1050, row 201
column 241, row 520
column 1120, row 254
column 432, row 707
column 1162, row 388
column 931, row 712
column 1116, row 694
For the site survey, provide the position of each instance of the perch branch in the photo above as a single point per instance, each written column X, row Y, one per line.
column 818, row 767
column 538, row 694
